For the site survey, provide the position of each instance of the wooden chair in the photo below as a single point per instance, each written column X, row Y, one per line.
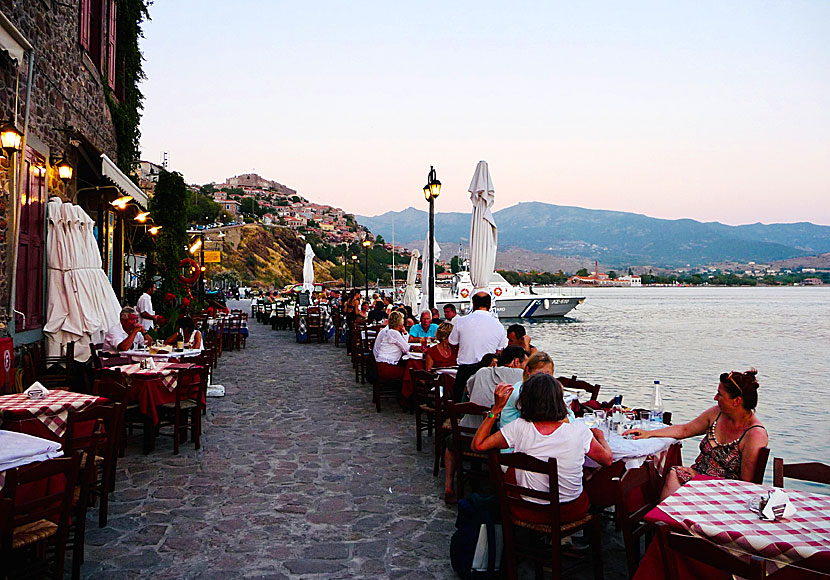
column 390, row 388
column 761, row 465
column 110, row 384
column 812, row 471
column 704, row 551
column 462, row 437
column 78, row 429
column 39, row 520
column 95, row 354
column 233, row 333
column 424, row 403
column 185, row 412
column 574, row 383
column 637, row 494
column 518, row 511
column 115, row 361
column 87, row 441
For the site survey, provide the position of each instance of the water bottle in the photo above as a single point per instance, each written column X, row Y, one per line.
column 657, row 403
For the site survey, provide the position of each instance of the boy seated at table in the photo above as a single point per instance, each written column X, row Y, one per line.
column 128, row 333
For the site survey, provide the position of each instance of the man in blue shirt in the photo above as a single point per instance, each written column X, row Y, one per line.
column 425, row 329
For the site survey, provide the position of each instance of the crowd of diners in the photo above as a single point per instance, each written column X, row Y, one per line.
column 501, row 369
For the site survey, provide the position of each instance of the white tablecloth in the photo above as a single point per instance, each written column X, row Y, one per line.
column 140, row 354
column 18, row 449
column 634, row 451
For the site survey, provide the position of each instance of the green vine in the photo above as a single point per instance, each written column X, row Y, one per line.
column 126, row 113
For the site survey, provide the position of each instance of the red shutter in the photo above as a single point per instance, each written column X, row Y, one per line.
column 111, row 45
column 30, row 257
column 86, row 17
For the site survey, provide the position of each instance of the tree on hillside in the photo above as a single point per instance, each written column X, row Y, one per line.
column 203, row 210
column 612, row 275
column 582, row 272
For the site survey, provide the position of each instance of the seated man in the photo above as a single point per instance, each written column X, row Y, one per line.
column 378, row 313
column 450, row 313
column 516, row 335
column 426, row 329
column 128, row 333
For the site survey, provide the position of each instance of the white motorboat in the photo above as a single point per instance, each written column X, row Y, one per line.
column 510, row 301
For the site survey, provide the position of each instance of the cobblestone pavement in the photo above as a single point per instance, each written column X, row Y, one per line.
column 298, row 477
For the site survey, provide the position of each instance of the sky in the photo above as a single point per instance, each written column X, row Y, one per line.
column 710, row 110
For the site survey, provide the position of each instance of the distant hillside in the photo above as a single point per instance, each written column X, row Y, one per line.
column 616, row 239
column 267, row 256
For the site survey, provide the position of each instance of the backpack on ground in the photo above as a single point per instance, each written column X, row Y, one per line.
column 476, row 545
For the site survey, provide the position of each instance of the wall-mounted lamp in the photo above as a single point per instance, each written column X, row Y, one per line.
column 154, row 230
column 11, row 140
column 39, row 170
column 64, row 169
column 142, row 217
column 194, row 247
column 121, row 202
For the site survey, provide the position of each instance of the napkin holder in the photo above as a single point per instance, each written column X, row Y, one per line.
column 773, row 506
column 36, row 392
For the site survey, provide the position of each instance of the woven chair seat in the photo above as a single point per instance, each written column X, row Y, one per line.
column 33, row 533
column 546, row 528
column 427, row 408
column 185, row 404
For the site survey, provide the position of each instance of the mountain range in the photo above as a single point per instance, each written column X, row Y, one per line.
column 617, row 239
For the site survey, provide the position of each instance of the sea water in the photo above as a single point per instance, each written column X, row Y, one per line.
column 626, row 338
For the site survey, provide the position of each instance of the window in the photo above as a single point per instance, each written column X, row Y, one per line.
column 97, row 35
column 30, row 249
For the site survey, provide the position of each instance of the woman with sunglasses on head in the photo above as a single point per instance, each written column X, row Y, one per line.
column 733, row 434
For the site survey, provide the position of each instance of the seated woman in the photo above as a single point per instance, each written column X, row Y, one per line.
column 443, row 354
column 733, row 421
column 543, row 431
column 390, row 345
column 191, row 335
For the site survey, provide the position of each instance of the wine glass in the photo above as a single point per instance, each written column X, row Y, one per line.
column 590, row 419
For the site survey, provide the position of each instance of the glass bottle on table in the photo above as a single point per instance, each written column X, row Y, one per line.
column 180, row 340
column 657, row 405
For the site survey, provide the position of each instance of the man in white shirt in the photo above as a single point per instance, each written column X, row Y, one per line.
column 127, row 334
column 145, row 306
column 476, row 335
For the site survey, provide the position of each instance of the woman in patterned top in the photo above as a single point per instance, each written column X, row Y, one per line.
column 733, row 434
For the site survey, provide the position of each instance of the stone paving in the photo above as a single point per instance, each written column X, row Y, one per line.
column 298, row 477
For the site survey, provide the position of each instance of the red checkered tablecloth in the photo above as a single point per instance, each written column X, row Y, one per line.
column 166, row 373
column 52, row 410
column 718, row 510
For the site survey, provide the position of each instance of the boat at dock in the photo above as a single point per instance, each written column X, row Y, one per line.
column 510, row 301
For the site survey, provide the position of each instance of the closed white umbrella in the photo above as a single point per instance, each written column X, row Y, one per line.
column 436, row 254
column 410, row 296
column 308, row 269
column 483, row 231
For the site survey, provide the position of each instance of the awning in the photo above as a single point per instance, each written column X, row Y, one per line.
column 110, row 170
column 11, row 40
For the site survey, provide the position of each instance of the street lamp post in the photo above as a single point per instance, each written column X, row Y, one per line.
column 366, row 243
column 354, row 271
column 431, row 191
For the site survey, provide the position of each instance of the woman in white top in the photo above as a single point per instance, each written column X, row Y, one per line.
column 391, row 344
column 192, row 336
column 543, row 431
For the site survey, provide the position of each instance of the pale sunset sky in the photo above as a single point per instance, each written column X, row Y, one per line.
column 711, row 110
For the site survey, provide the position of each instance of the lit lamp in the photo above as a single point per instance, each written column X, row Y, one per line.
column 154, row 230
column 121, row 202
column 11, row 140
column 431, row 191
column 366, row 244
column 64, row 169
column 354, row 270
column 142, row 217
column 194, row 247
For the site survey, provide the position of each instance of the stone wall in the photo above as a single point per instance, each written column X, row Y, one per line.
column 67, row 90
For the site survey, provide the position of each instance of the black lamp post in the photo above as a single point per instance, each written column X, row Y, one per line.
column 354, row 271
column 431, row 191
column 366, row 243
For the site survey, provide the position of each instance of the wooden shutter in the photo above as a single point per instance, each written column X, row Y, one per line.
column 30, row 257
column 111, row 13
column 86, row 17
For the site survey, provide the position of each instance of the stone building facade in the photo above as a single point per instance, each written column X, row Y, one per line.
column 72, row 46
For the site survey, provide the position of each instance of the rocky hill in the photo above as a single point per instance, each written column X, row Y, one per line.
column 265, row 256
column 616, row 239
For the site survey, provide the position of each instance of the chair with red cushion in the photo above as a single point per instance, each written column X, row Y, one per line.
column 518, row 510
column 41, row 494
column 637, row 494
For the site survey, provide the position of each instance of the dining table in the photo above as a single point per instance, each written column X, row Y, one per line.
column 46, row 417
column 141, row 354
column 19, row 449
column 719, row 511
column 152, row 387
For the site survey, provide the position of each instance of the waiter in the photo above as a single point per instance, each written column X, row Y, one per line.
column 145, row 306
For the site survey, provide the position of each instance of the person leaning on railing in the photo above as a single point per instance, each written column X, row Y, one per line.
column 733, row 434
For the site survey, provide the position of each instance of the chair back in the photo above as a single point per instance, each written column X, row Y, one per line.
column 55, row 479
column 705, row 551
column 191, row 383
column 94, row 349
column 424, row 387
column 115, row 361
column 81, row 429
column 761, row 465
column 573, row 383
column 514, row 498
column 462, row 436
column 813, row 471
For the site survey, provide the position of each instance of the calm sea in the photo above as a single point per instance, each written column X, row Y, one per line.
column 625, row 338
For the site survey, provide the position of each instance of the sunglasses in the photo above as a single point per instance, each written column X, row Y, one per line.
column 737, row 386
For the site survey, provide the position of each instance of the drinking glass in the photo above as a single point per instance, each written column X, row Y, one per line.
column 590, row 419
column 601, row 422
column 629, row 421
column 645, row 419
